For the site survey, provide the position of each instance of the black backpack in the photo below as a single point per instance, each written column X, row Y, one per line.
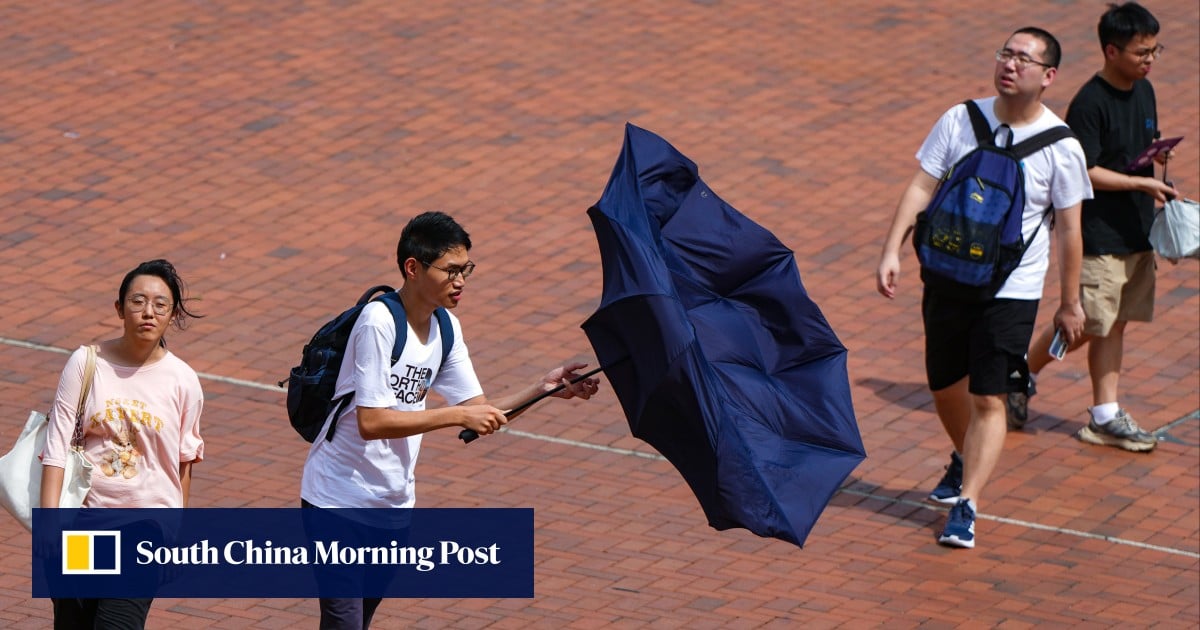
column 969, row 239
column 311, row 384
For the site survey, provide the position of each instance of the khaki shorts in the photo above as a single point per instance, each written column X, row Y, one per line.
column 1116, row 288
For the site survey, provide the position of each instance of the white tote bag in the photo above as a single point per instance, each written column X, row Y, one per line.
column 21, row 468
column 1175, row 232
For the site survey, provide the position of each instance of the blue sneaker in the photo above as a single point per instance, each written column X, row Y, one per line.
column 960, row 526
column 950, row 486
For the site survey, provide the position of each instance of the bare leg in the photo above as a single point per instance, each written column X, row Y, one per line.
column 983, row 444
column 953, row 406
column 1104, row 364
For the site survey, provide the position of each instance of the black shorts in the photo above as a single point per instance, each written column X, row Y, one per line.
column 987, row 341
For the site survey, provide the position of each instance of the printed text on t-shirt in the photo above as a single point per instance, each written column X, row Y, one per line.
column 413, row 385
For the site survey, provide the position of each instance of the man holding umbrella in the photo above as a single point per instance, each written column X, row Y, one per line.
column 370, row 462
column 975, row 350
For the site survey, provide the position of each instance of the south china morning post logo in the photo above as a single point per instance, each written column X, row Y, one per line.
column 89, row 552
column 321, row 552
column 285, row 552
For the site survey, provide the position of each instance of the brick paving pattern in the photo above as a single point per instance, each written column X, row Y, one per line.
column 274, row 149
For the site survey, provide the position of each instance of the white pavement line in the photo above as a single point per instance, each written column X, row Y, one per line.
column 212, row 377
column 624, row 451
column 998, row 519
column 1195, row 415
column 32, row 346
column 1037, row 526
column 594, row 447
column 237, row 381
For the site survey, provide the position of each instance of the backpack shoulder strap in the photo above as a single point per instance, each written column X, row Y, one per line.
column 370, row 293
column 445, row 331
column 1029, row 146
column 983, row 131
column 391, row 300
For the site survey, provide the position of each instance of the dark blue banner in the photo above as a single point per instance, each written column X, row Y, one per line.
column 283, row 552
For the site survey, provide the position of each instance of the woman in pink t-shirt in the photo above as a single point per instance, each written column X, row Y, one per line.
column 141, row 424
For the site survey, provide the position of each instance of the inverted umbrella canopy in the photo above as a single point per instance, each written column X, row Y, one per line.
column 717, row 355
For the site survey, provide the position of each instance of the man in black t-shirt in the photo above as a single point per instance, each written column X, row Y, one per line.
column 1115, row 118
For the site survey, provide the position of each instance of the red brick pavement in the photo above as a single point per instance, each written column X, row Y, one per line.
column 273, row 150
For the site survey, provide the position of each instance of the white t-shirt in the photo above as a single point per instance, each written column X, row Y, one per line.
column 1056, row 175
column 350, row 472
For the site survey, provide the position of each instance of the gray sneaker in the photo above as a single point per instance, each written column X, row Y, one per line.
column 1121, row 432
column 1016, row 407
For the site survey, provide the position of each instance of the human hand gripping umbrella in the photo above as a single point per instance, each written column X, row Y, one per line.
column 468, row 436
column 716, row 353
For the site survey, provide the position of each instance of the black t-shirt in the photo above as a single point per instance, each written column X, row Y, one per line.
column 1114, row 126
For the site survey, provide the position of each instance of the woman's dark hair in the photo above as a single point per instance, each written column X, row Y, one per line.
column 428, row 236
column 1122, row 22
column 165, row 271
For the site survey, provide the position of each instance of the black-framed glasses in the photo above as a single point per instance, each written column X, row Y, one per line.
column 1022, row 60
column 1147, row 53
column 452, row 273
column 138, row 302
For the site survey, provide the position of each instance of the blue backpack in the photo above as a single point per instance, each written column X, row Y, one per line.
column 311, row 384
column 968, row 239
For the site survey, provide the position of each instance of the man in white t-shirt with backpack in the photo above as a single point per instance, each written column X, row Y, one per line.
column 975, row 350
column 370, row 460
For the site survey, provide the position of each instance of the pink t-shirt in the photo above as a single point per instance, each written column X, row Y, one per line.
column 139, row 425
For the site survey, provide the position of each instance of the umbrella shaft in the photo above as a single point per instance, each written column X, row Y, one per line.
column 529, row 403
column 468, row 436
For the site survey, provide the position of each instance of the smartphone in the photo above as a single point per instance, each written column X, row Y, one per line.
column 1146, row 157
column 1058, row 345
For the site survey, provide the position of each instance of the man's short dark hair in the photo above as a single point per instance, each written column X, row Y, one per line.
column 429, row 235
column 1122, row 22
column 1053, row 53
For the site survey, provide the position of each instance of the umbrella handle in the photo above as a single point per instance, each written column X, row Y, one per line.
column 468, row 435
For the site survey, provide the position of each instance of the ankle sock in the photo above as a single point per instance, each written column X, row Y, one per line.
column 1103, row 414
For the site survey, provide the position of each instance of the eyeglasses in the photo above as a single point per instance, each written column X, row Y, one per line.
column 1022, row 60
column 137, row 303
column 452, row 273
column 1147, row 53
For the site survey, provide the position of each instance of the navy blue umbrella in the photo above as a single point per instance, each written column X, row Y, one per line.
column 717, row 355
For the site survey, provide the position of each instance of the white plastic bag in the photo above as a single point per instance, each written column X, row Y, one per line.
column 1175, row 233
